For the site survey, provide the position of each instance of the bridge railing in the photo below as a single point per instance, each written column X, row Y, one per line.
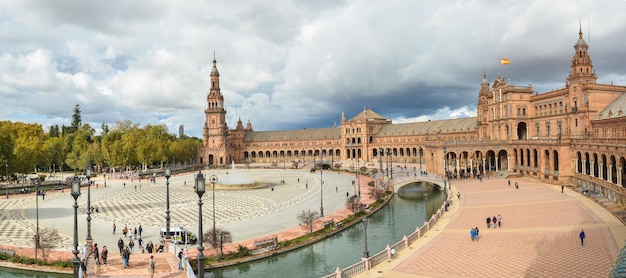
column 368, row 263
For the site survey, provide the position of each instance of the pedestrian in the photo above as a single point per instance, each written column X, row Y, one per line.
column 140, row 241
column 582, row 237
column 509, row 182
column 477, row 233
column 124, row 185
column 458, row 195
column 516, row 185
column 140, row 230
column 336, row 189
column 180, row 260
column 488, row 222
column 135, row 233
column 347, row 194
column 114, row 227
column 131, row 245
column 473, row 234
column 499, row 221
column 125, row 257
column 152, row 263
column 104, row 254
column 96, row 253
column 120, row 245
column 495, row 221
column 562, row 188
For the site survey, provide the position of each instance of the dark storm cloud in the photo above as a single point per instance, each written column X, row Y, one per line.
column 288, row 64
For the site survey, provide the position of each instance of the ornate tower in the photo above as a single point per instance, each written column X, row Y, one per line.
column 215, row 131
column 582, row 67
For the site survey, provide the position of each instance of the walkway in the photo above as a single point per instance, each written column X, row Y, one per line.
column 245, row 213
column 538, row 237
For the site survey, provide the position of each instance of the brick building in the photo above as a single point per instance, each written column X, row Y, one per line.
column 575, row 135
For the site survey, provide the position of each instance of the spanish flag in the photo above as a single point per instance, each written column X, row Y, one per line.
column 504, row 61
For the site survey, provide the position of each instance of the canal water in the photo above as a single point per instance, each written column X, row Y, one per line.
column 400, row 217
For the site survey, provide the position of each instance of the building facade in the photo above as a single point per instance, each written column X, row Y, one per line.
column 575, row 135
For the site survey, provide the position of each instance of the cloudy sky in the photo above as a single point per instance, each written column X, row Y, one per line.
column 288, row 64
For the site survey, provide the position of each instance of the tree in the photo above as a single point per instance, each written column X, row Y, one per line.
column 376, row 192
column 217, row 238
column 307, row 219
column 48, row 239
column 76, row 119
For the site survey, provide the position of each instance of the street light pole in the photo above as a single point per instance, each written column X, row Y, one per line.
column 213, row 179
column 421, row 150
column 425, row 207
column 168, row 174
column 200, row 189
column 366, row 254
column 88, row 174
column 321, row 192
column 6, row 173
column 380, row 160
column 75, row 194
column 389, row 154
column 37, row 216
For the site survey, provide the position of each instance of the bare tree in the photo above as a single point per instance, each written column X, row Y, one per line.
column 376, row 192
column 307, row 219
column 48, row 239
column 217, row 238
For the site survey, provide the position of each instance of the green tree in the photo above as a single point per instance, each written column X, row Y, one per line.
column 76, row 119
column 52, row 152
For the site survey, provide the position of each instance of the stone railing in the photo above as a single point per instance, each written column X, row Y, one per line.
column 368, row 263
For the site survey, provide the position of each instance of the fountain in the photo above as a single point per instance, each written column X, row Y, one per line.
column 237, row 180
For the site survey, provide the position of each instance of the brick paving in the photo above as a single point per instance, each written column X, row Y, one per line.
column 538, row 236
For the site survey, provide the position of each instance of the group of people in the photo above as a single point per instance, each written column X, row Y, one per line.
column 516, row 184
column 497, row 222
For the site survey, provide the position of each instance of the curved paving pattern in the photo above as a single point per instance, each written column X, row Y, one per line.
column 538, row 237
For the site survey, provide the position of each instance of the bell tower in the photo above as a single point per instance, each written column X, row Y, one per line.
column 215, row 131
column 582, row 67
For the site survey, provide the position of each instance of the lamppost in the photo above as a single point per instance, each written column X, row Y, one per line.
column 366, row 254
column 425, row 207
column 358, row 183
column 75, row 194
column 213, row 179
column 37, row 217
column 88, row 174
column 168, row 174
column 321, row 192
column 200, row 189
column 284, row 158
column 303, row 158
column 62, row 181
column 6, row 173
column 421, row 150
column 389, row 153
column 380, row 160
column 445, row 166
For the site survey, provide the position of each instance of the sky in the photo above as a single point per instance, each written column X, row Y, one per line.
column 289, row 64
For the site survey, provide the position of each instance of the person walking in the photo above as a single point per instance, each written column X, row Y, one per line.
column 509, row 182
column 488, row 222
column 582, row 237
column 562, row 187
column 96, row 253
column 114, row 227
column 180, row 260
column 473, row 234
column 477, row 233
column 458, row 195
column 516, row 185
column 120, row 245
column 152, row 265
column 495, row 221
column 104, row 254
column 499, row 221
column 131, row 245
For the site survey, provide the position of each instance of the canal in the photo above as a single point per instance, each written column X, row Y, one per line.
column 400, row 217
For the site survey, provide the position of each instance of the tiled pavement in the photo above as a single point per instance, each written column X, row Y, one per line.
column 538, row 237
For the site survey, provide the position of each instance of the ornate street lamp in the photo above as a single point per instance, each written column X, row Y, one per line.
column 200, row 189
column 380, row 160
column 390, row 153
column 6, row 173
column 425, row 207
column 321, row 191
column 421, row 150
column 366, row 254
column 358, row 182
column 445, row 166
column 168, row 174
column 213, row 180
column 75, row 194
column 88, row 174
column 37, row 217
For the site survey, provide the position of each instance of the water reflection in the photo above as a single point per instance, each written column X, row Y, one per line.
column 400, row 217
